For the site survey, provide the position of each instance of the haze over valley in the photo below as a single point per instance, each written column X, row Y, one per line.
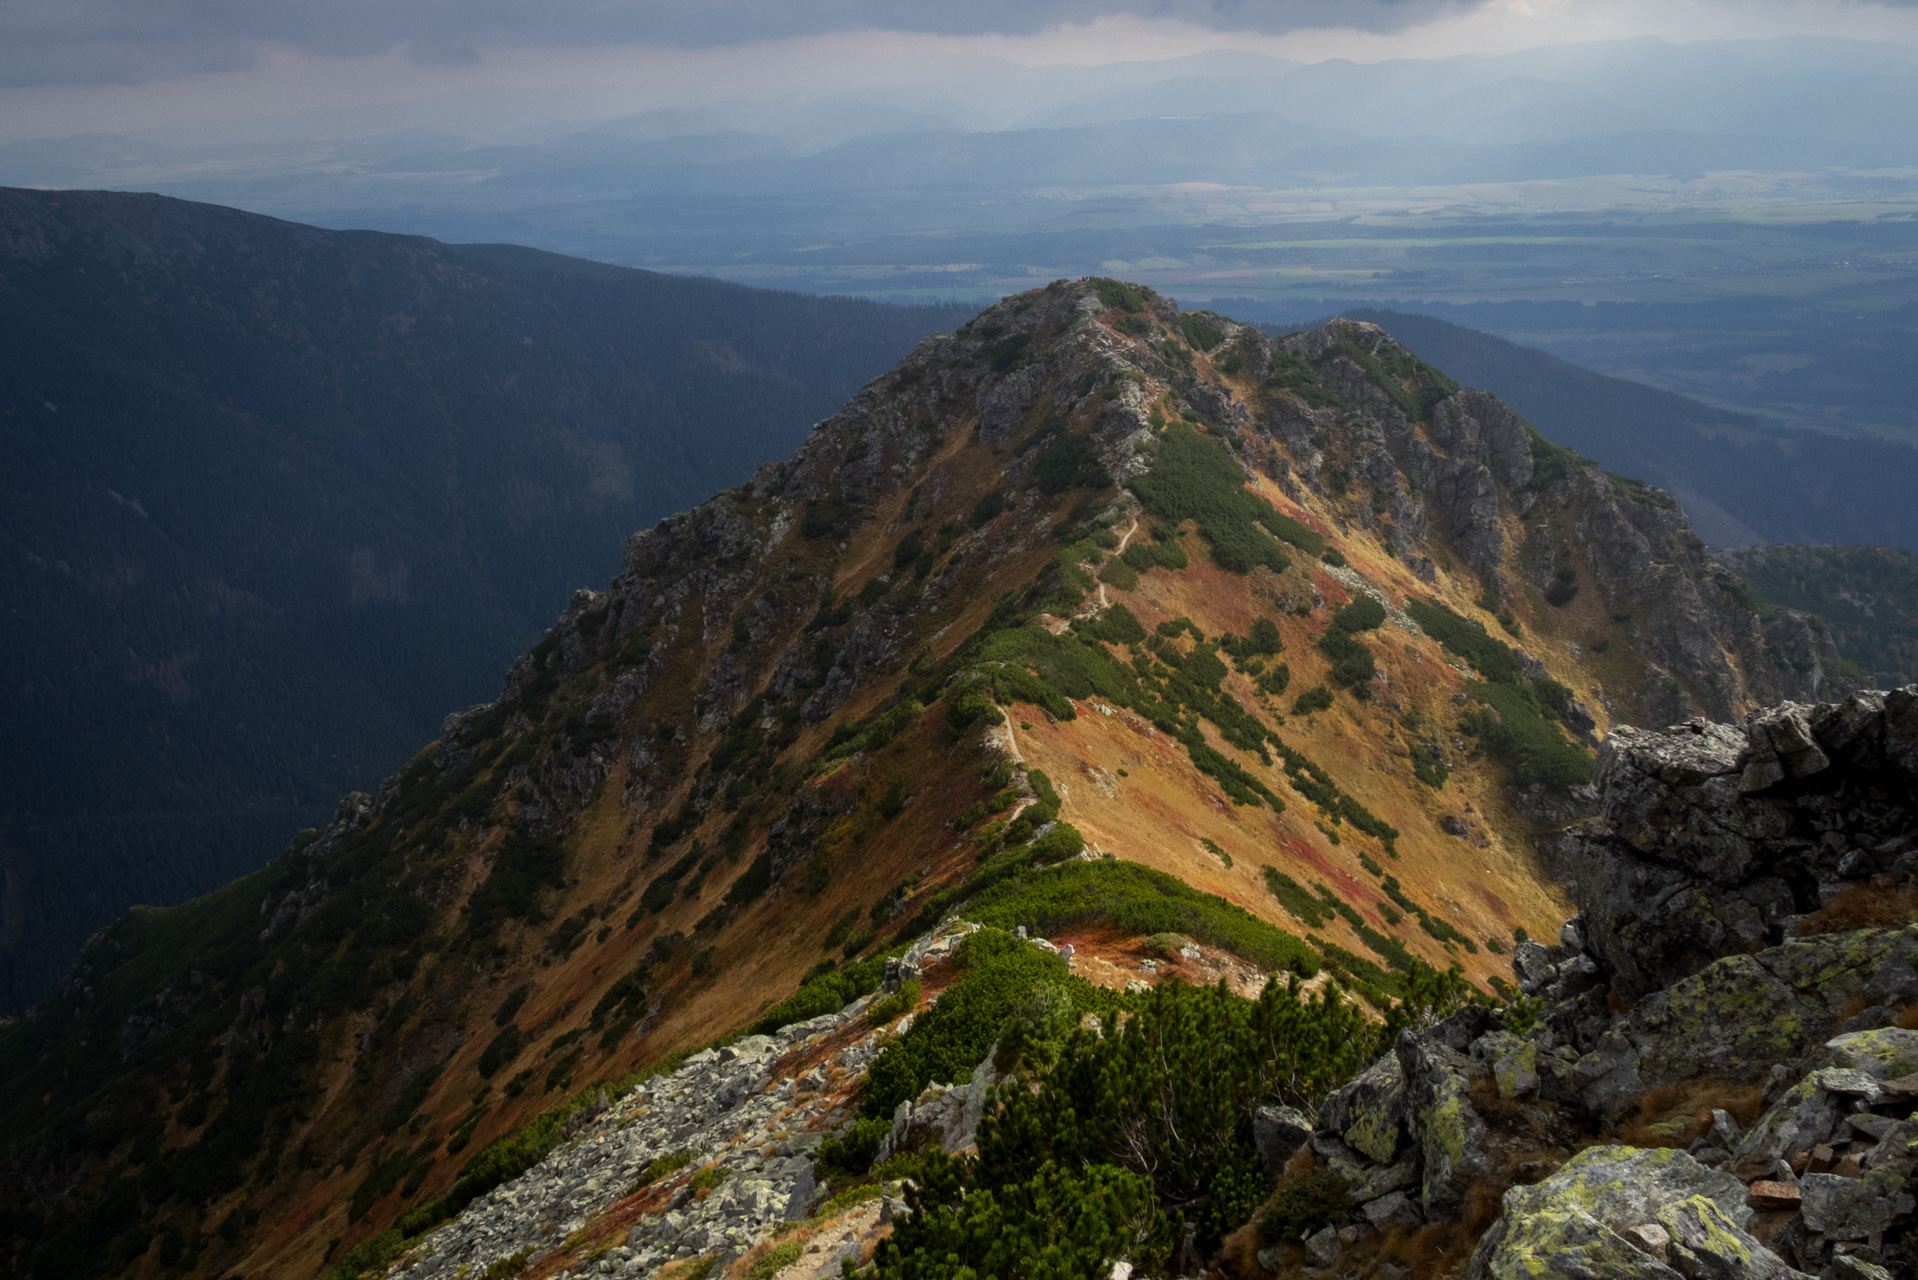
column 1096, row 639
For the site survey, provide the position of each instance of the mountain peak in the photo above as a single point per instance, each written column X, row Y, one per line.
column 1096, row 617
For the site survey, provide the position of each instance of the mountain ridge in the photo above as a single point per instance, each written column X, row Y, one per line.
column 1742, row 481
column 1210, row 616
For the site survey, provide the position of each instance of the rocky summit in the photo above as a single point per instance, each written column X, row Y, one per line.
column 1109, row 804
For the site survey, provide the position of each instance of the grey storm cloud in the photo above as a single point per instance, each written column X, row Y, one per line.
column 129, row 41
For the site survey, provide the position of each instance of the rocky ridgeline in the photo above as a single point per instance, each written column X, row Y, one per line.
column 738, row 1127
column 1476, row 468
column 1714, row 952
column 723, row 1109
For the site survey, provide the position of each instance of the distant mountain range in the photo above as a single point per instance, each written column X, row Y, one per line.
column 278, row 499
column 1600, row 107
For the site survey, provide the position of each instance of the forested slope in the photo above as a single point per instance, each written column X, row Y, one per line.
column 277, row 499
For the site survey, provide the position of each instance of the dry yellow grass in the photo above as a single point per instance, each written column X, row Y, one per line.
column 1863, row 906
column 1678, row 1114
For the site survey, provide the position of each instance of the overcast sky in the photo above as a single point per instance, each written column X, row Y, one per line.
column 149, row 66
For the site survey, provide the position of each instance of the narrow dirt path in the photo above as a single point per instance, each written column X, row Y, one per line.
column 1125, row 538
column 1012, row 739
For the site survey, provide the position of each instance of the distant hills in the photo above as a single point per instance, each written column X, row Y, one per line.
column 277, row 499
column 1742, row 481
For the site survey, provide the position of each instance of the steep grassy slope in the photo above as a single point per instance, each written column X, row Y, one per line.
column 1092, row 614
column 277, row 499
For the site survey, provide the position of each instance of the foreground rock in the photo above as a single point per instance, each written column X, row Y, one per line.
column 1711, row 959
column 720, row 1111
column 1714, row 839
column 738, row 1127
column 1621, row 1212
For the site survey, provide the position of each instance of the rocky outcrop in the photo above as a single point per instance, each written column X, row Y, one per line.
column 1626, row 1213
column 1710, row 946
column 721, row 1113
column 1471, row 464
column 944, row 1115
column 734, row 1130
column 1712, row 839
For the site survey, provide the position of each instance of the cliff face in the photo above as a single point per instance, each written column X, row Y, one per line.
column 1714, row 840
column 1093, row 616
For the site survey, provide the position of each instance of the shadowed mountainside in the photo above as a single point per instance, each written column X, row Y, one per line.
column 1867, row 595
column 277, row 499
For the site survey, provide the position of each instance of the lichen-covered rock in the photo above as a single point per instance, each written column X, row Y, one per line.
column 1852, row 1084
column 1623, row 1185
column 1707, row 1245
column 1341, row 1159
column 1804, row 1117
column 1569, row 1225
column 1868, row 966
column 1368, row 1112
column 1561, row 1244
column 1441, row 1119
column 1514, row 1061
column 1887, row 1053
column 1383, row 1179
column 1854, row 1208
column 1742, row 1014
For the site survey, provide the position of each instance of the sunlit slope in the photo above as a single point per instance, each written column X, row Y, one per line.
column 1093, row 617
